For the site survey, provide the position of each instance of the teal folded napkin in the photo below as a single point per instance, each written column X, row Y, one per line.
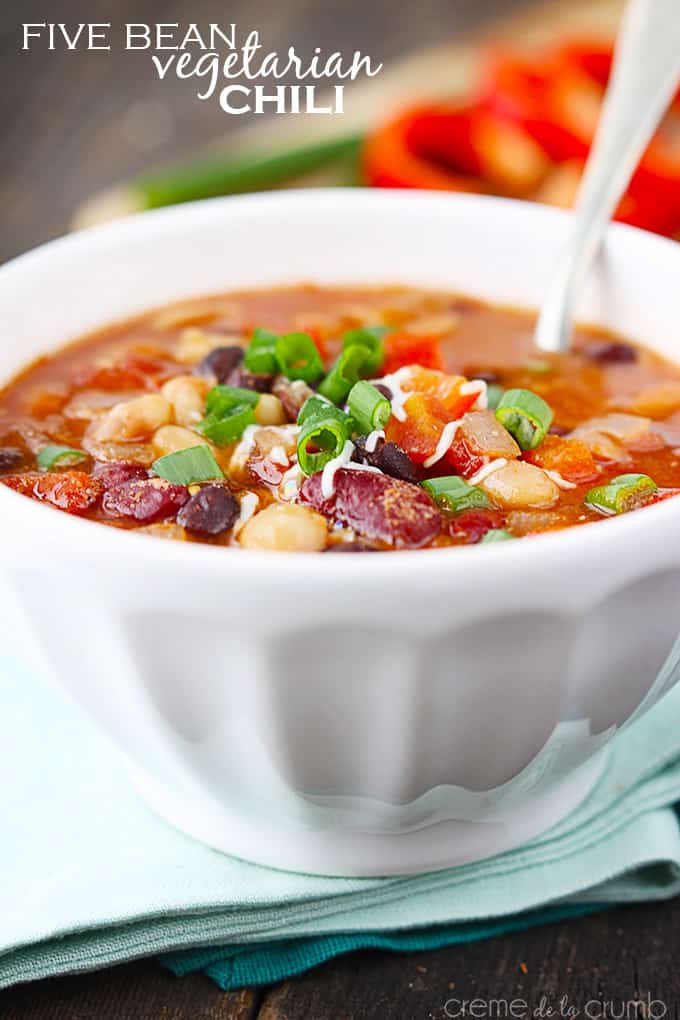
column 91, row 877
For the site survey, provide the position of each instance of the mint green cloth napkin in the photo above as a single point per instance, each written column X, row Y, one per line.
column 90, row 877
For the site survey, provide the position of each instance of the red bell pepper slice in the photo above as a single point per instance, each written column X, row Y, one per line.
column 557, row 97
column 454, row 148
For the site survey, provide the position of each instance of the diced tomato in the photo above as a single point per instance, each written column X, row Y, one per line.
column 473, row 524
column 131, row 372
column 319, row 343
column 446, row 388
column 75, row 492
column 419, row 434
column 408, row 349
column 464, row 460
column 570, row 457
column 480, row 438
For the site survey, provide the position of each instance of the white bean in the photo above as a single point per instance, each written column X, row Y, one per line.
column 171, row 438
column 519, row 485
column 288, row 528
column 269, row 410
column 187, row 395
column 134, row 419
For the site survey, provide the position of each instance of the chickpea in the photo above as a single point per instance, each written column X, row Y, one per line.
column 171, row 438
column 134, row 419
column 519, row 485
column 187, row 395
column 289, row 528
column 269, row 410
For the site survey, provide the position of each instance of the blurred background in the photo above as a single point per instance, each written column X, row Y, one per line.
column 76, row 124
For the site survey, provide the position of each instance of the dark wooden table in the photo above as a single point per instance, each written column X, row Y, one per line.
column 72, row 123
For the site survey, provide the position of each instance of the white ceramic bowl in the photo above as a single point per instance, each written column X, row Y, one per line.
column 347, row 715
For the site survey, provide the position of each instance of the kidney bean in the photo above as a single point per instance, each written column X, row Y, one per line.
column 210, row 512
column 250, row 380
column 472, row 525
column 388, row 457
column 376, row 506
column 221, row 363
column 10, row 457
column 145, row 500
column 112, row 473
column 75, row 492
column 291, row 394
column 558, row 430
column 611, row 352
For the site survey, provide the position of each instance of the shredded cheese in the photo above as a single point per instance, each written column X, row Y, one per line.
column 333, row 466
column 278, row 455
column 247, row 442
column 372, row 440
column 477, row 386
column 249, row 504
column 399, row 396
column 288, row 434
column 486, row 470
column 289, row 486
column 363, row 467
column 447, row 436
column 560, row 482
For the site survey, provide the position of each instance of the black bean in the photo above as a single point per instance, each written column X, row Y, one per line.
column 558, row 430
column 10, row 457
column 221, row 363
column 388, row 458
column 210, row 512
column 611, row 352
column 250, row 380
column 385, row 390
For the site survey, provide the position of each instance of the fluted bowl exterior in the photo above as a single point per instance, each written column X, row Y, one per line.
column 346, row 715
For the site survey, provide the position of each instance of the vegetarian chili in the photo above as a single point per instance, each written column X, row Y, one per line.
column 341, row 420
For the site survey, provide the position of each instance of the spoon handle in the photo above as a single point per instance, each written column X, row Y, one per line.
column 643, row 80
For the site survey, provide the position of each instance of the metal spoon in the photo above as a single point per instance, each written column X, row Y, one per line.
column 644, row 77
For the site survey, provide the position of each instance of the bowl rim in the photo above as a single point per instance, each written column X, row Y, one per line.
column 546, row 551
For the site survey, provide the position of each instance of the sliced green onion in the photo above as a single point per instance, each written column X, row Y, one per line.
column 326, row 435
column 224, row 429
column 346, row 371
column 260, row 355
column 497, row 535
column 186, row 467
column 297, row 357
column 51, row 455
column 314, row 407
column 368, row 407
column 493, row 395
column 229, row 411
column 370, row 337
column 223, row 399
column 526, row 416
column 626, row 492
column 453, row 493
